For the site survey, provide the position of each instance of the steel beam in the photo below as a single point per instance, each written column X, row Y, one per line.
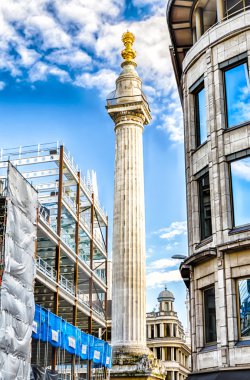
column 58, row 248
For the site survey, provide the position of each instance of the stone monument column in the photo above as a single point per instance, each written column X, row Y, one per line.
column 130, row 111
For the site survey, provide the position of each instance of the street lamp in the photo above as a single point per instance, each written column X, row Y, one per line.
column 179, row 257
column 184, row 269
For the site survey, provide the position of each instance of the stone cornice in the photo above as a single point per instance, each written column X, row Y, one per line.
column 139, row 109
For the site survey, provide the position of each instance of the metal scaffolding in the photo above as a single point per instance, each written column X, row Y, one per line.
column 71, row 276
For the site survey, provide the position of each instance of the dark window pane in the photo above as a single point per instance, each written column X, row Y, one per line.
column 200, row 104
column 152, row 331
column 158, row 330
column 237, row 95
column 244, row 306
column 168, row 329
column 240, row 173
column 210, row 316
column 205, row 207
column 168, row 353
column 232, row 7
column 158, row 352
column 175, row 329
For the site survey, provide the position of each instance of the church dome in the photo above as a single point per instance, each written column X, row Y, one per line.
column 165, row 295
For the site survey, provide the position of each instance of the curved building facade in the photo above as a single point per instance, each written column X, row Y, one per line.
column 211, row 58
column 166, row 338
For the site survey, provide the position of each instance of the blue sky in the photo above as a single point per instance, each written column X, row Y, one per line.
column 58, row 61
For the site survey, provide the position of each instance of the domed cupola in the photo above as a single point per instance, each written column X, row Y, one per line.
column 166, row 300
column 165, row 295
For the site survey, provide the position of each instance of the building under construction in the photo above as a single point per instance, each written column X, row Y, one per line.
column 71, row 254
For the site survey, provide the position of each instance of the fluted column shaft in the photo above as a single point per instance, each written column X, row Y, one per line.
column 128, row 291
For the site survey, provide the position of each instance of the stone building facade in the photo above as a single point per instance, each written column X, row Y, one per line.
column 166, row 338
column 211, row 58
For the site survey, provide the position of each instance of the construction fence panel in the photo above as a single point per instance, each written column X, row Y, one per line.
column 50, row 328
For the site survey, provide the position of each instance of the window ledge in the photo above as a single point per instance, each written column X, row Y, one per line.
column 213, row 347
column 199, row 147
column 242, row 343
column 204, row 242
column 238, row 230
column 228, row 129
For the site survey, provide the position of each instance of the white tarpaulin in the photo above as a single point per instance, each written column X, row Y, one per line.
column 17, row 291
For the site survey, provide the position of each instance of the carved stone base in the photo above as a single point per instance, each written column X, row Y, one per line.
column 127, row 365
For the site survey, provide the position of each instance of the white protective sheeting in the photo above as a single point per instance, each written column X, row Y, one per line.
column 17, row 291
column 13, row 369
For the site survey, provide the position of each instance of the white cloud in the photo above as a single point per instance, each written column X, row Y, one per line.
column 103, row 80
column 73, row 58
column 157, row 279
column 242, row 106
column 149, row 252
column 163, row 264
column 175, row 229
column 2, row 85
column 172, row 122
column 52, row 34
column 27, row 56
column 40, row 71
column 169, row 247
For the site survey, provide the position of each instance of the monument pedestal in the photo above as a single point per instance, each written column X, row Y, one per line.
column 129, row 365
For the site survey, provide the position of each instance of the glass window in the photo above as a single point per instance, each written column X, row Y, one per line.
column 240, row 175
column 201, row 125
column 205, row 207
column 237, row 95
column 210, row 316
column 244, row 306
